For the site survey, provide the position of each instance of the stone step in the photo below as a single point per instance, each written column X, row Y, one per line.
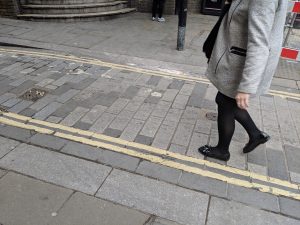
column 76, row 17
column 63, row 2
column 74, row 9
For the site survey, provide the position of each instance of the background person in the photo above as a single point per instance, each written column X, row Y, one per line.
column 157, row 8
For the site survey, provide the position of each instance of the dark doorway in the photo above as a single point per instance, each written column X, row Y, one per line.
column 212, row 7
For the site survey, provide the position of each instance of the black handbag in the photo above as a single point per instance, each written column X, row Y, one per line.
column 209, row 43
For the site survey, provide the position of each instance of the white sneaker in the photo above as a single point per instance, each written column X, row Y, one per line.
column 153, row 18
column 161, row 19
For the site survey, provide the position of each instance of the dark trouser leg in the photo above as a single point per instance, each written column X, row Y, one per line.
column 154, row 7
column 160, row 8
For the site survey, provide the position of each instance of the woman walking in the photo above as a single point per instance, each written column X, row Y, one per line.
column 242, row 64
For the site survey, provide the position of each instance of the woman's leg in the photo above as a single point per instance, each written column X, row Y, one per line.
column 228, row 112
column 226, row 127
column 243, row 117
column 256, row 137
column 226, row 122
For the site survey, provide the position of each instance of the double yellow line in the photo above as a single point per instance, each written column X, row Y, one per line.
column 148, row 153
column 152, row 154
column 98, row 62
column 93, row 61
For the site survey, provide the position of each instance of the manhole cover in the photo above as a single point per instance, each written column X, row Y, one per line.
column 3, row 109
column 33, row 94
column 212, row 116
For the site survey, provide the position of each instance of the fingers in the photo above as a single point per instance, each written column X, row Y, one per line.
column 241, row 104
column 242, row 101
column 247, row 102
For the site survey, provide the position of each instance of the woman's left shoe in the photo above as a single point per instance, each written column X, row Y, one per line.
column 214, row 152
column 263, row 138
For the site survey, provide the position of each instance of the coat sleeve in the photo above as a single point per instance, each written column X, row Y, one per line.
column 261, row 17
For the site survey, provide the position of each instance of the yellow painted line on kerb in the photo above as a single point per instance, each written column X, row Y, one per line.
column 159, row 160
column 98, row 62
column 153, row 150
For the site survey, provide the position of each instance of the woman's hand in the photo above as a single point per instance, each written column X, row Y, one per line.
column 242, row 100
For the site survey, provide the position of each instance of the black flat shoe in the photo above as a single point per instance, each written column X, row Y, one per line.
column 213, row 152
column 263, row 138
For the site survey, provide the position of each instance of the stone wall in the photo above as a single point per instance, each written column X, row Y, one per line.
column 146, row 6
column 8, row 8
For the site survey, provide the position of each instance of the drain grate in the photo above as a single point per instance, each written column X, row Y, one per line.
column 212, row 116
column 33, row 94
column 3, row 109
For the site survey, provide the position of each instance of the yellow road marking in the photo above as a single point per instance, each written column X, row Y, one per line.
column 154, row 150
column 106, row 64
column 159, row 160
column 98, row 62
column 25, row 126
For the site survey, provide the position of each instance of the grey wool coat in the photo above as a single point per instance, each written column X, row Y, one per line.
column 248, row 47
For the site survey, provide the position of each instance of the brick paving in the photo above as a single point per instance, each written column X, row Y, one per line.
column 161, row 112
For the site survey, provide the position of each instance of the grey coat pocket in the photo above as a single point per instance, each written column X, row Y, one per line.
column 238, row 51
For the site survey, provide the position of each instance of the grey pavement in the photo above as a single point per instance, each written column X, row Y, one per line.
column 61, row 177
column 32, row 196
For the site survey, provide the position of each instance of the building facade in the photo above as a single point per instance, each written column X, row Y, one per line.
column 146, row 6
column 10, row 8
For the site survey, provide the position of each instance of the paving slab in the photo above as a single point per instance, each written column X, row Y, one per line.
column 155, row 197
column 56, row 168
column 290, row 207
column 106, row 157
column 2, row 172
column 253, row 197
column 293, row 157
column 83, row 209
column 160, row 221
column 295, row 177
column 203, row 184
column 158, row 171
column 16, row 133
column 277, row 164
column 6, row 145
column 47, row 111
column 26, row 201
column 229, row 212
column 48, row 141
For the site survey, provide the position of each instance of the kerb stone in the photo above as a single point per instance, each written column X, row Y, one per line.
column 162, row 199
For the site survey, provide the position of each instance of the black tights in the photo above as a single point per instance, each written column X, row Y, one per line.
column 228, row 112
column 157, row 5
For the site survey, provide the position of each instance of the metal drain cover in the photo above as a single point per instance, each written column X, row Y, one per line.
column 3, row 109
column 212, row 116
column 33, row 94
